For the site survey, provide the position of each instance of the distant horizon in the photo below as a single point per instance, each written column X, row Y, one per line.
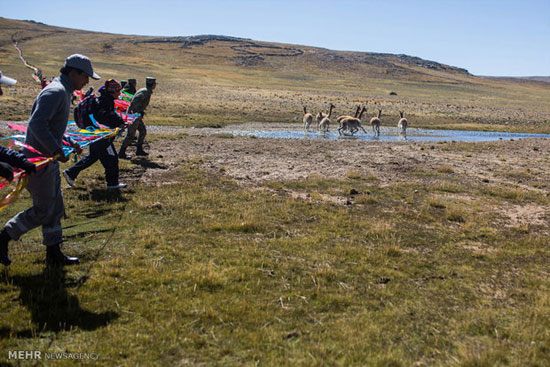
column 472, row 35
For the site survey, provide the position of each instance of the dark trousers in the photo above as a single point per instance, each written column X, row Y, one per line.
column 138, row 126
column 104, row 150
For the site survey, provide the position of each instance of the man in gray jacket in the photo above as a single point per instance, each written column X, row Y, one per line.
column 47, row 124
column 138, row 105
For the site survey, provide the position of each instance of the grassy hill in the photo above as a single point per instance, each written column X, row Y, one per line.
column 213, row 80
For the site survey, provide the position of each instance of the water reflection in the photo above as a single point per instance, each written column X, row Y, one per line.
column 392, row 135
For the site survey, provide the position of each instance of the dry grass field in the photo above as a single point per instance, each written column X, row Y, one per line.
column 239, row 251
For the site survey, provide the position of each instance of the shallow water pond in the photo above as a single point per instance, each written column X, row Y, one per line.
column 389, row 134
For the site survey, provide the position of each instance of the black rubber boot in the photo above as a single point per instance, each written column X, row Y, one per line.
column 4, row 239
column 122, row 154
column 140, row 151
column 55, row 257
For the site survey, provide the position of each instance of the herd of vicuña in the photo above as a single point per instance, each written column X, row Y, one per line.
column 349, row 125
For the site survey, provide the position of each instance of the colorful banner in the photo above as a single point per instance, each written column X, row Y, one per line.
column 83, row 137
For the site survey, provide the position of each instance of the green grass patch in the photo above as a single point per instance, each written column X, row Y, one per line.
column 205, row 272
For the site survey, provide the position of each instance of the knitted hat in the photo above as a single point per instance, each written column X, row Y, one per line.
column 111, row 85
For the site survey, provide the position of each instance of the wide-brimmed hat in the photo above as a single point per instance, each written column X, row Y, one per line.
column 150, row 81
column 82, row 63
column 6, row 80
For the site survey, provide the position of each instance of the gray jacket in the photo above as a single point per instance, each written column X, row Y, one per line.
column 49, row 116
column 141, row 100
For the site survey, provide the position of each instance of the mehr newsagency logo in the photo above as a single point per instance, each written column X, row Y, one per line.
column 38, row 355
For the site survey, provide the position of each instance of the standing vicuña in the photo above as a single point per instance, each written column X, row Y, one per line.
column 352, row 124
column 320, row 116
column 308, row 119
column 402, row 124
column 340, row 118
column 325, row 122
column 375, row 123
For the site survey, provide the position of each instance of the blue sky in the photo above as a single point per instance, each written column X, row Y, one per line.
column 487, row 37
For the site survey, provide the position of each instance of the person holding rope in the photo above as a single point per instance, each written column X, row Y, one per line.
column 138, row 105
column 10, row 158
column 45, row 131
column 103, row 110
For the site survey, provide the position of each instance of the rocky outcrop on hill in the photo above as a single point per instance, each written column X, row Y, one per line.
column 417, row 61
column 188, row 41
column 388, row 61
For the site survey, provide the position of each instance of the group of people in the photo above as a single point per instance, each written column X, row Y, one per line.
column 45, row 134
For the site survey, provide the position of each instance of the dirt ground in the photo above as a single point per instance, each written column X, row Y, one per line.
column 254, row 161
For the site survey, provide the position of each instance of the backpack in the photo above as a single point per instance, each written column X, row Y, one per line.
column 83, row 110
